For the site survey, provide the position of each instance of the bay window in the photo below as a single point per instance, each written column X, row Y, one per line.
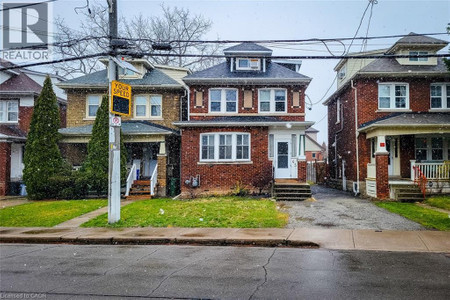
column 393, row 96
column 230, row 146
column 223, row 100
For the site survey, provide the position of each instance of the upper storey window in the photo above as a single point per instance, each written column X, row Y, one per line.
column 418, row 58
column 393, row 96
column 272, row 100
column 9, row 111
column 440, row 96
column 92, row 105
column 223, row 100
column 248, row 64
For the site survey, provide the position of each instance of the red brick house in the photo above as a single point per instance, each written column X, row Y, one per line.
column 246, row 123
column 19, row 89
column 313, row 150
column 389, row 121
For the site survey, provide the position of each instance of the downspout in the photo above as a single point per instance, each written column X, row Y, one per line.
column 356, row 190
column 186, row 91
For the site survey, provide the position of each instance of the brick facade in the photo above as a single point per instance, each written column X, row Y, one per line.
column 5, row 167
column 382, row 175
column 223, row 177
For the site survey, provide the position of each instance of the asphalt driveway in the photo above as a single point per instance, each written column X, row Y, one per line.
column 331, row 208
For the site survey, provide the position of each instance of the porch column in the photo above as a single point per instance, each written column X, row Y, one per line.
column 5, row 167
column 162, row 169
column 382, row 177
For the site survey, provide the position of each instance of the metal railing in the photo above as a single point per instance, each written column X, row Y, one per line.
column 132, row 176
column 420, row 179
column 154, row 180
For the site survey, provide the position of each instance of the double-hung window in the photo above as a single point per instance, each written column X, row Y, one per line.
column 229, row 146
column 223, row 100
column 93, row 103
column 146, row 106
column 440, row 96
column 393, row 96
column 272, row 100
column 9, row 111
column 432, row 148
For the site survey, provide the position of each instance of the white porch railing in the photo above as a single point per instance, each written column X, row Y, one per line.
column 154, row 180
column 132, row 176
column 432, row 171
column 371, row 170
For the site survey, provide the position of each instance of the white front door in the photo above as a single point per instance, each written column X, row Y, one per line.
column 393, row 160
column 282, row 159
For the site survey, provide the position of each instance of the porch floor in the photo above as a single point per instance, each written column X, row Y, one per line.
column 400, row 181
column 289, row 181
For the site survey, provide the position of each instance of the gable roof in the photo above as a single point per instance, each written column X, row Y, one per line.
column 153, row 78
column 221, row 73
column 247, row 48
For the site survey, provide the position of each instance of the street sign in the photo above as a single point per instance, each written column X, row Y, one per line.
column 116, row 121
column 120, row 98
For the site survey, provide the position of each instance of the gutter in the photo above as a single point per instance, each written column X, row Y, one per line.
column 305, row 124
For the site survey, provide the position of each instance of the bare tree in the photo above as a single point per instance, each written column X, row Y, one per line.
column 176, row 26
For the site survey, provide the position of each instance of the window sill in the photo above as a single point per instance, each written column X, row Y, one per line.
column 89, row 119
column 393, row 110
column 147, row 118
column 439, row 110
column 225, row 162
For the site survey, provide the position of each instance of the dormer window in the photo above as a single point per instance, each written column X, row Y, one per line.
column 418, row 58
column 248, row 64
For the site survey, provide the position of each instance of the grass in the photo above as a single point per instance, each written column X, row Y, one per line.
column 46, row 213
column 439, row 202
column 232, row 212
column 427, row 217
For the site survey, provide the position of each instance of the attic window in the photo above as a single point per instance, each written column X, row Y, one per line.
column 247, row 64
column 418, row 58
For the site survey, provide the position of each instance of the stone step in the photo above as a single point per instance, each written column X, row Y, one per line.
column 139, row 197
column 291, row 198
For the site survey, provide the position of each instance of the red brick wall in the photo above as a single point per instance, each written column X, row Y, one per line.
column 290, row 109
column 308, row 154
column 5, row 167
column 302, row 171
column 223, row 177
column 382, row 175
column 25, row 113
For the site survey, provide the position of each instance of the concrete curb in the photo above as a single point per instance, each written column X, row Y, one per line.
column 405, row 241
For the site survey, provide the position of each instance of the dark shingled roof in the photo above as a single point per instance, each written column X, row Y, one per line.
column 12, row 131
column 20, row 83
column 128, row 128
column 222, row 71
column 410, row 119
column 247, row 47
column 414, row 38
column 153, row 77
column 387, row 65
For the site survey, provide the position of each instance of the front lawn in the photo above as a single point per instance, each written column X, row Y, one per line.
column 427, row 217
column 233, row 212
column 46, row 213
column 439, row 202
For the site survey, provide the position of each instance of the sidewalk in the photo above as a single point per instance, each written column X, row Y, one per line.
column 342, row 239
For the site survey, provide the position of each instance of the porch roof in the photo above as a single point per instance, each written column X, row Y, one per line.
column 408, row 123
column 129, row 129
column 12, row 133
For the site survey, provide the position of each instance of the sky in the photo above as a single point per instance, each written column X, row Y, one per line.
column 269, row 20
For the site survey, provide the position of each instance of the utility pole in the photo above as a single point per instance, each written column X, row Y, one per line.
column 114, row 131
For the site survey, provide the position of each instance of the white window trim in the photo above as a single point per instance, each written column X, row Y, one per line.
column 392, row 96
column 223, row 101
column 419, row 59
column 249, row 64
column 4, row 103
column 272, row 101
column 443, row 96
column 233, row 147
column 148, row 108
column 445, row 148
column 87, row 105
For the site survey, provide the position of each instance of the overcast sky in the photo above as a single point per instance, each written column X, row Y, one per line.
column 264, row 20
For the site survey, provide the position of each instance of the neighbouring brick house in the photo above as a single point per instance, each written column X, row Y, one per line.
column 151, row 139
column 19, row 89
column 313, row 150
column 390, row 118
column 246, row 116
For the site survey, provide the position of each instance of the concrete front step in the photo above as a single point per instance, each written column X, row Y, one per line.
column 291, row 191
column 139, row 197
column 410, row 193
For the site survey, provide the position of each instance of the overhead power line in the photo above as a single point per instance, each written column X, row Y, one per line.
column 312, row 57
column 27, row 5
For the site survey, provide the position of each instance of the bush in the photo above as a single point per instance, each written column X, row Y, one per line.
column 71, row 186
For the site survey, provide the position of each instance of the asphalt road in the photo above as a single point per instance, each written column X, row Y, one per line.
column 137, row 272
column 333, row 208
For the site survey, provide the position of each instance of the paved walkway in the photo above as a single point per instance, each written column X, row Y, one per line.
column 12, row 201
column 414, row 241
column 337, row 209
